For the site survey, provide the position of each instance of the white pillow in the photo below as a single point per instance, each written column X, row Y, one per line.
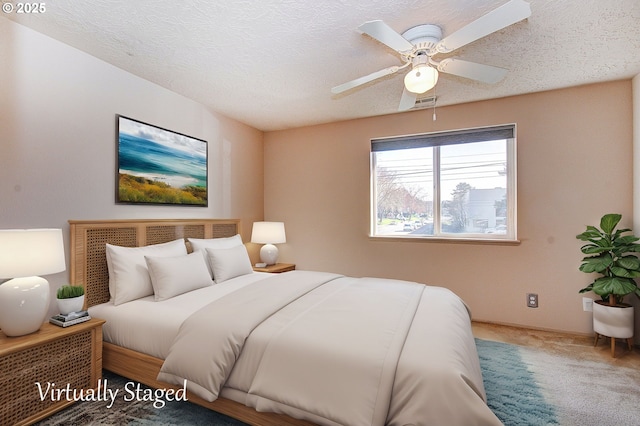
column 171, row 276
column 198, row 244
column 128, row 274
column 229, row 263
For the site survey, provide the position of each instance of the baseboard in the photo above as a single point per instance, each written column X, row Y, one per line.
column 533, row 328
column 636, row 343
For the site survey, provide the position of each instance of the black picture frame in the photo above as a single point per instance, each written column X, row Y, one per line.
column 157, row 166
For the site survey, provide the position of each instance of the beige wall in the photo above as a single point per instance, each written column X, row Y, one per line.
column 574, row 164
column 58, row 140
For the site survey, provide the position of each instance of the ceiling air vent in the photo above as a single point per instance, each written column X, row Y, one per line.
column 427, row 102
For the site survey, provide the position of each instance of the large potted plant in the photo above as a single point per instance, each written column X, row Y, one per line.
column 610, row 252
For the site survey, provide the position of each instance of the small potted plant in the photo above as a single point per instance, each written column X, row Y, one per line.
column 610, row 252
column 70, row 298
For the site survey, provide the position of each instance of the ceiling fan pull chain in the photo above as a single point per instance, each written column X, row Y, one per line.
column 435, row 99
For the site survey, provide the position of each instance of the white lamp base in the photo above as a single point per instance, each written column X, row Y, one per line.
column 24, row 303
column 269, row 254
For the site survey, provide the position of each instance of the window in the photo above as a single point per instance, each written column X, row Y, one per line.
column 457, row 185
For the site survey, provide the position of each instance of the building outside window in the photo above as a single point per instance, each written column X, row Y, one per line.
column 453, row 185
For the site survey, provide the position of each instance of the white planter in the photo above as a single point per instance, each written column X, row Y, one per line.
column 613, row 321
column 73, row 304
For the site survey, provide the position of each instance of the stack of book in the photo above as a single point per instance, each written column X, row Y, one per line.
column 70, row 319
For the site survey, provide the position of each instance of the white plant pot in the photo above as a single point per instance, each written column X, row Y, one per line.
column 613, row 321
column 73, row 304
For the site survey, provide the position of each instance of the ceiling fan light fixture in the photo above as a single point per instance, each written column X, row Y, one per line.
column 421, row 78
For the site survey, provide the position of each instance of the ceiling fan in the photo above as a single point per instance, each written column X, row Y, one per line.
column 418, row 45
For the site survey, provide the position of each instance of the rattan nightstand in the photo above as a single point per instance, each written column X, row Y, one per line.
column 277, row 268
column 71, row 355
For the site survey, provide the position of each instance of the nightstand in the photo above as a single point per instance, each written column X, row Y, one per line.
column 277, row 268
column 70, row 355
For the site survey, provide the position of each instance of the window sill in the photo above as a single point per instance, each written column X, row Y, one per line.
column 484, row 241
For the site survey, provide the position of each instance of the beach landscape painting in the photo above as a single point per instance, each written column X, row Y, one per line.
column 159, row 166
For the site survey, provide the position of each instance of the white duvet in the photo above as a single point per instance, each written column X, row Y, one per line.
column 336, row 351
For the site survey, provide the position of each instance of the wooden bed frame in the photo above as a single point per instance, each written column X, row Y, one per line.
column 89, row 269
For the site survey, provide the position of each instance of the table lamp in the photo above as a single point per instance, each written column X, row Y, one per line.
column 268, row 233
column 24, row 298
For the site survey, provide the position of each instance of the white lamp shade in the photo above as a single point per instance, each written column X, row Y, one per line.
column 268, row 233
column 421, row 78
column 31, row 252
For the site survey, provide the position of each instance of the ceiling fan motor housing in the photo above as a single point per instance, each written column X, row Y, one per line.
column 423, row 37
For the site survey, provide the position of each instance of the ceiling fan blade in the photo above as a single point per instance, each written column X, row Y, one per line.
column 385, row 35
column 485, row 73
column 365, row 79
column 408, row 100
column 507, row 14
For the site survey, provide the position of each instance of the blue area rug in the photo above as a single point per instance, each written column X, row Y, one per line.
column 512, row 392
column 524, row 386
column 512, row 395
column 136, row 412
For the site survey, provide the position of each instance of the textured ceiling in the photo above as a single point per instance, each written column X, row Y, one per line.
column 271, row 63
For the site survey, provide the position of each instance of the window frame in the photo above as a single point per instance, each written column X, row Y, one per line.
column 446, row 138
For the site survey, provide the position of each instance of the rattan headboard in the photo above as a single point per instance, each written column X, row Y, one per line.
column 88, row 239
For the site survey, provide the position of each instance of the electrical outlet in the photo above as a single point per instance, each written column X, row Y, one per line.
column 587, row 304
column 532, row 300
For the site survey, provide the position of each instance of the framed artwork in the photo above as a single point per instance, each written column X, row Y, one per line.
column 159, row 166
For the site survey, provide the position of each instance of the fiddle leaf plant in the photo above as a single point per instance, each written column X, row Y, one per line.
column 610, row 253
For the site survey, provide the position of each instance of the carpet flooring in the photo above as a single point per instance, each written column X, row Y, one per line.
column 528, row 386
column 524, row 386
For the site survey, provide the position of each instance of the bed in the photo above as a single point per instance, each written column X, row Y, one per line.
column 298, row 348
